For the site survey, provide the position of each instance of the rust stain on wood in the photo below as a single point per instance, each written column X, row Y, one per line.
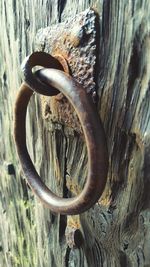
column 75, row 41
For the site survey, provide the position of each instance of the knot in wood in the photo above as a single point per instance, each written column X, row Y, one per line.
column 74, row 237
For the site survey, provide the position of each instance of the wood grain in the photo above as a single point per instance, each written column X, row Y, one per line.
column 116, row 231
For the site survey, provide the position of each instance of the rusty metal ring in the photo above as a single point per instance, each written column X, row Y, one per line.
column 47, row 61
column 94, row 137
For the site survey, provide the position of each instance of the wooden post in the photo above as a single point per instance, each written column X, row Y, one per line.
column 115, row 232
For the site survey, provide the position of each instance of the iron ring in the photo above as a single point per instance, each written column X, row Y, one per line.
column 94, row 138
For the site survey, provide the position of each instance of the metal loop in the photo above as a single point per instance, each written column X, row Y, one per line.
column 45, row 60
column 94, row 137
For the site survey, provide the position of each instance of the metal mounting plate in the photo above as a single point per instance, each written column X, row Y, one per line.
column 75, row 40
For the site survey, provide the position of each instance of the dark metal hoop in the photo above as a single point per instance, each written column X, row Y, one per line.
column 40, row 59
column 94, row 137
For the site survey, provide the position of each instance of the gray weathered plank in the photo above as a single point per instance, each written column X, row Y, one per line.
column 116, row 230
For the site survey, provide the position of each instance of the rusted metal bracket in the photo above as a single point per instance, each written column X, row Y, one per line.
column 75, row 41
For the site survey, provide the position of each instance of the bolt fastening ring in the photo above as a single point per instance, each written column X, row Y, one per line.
column 94, row 138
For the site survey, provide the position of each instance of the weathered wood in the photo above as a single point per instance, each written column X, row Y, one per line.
column 116, row 231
